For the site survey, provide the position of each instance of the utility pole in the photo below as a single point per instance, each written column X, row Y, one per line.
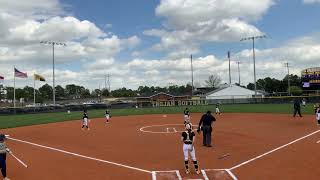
column 105, row 81
column 191, row 76
column 108, row 76
column 53, row 43
column 238, row 62
column 254, row 58
column 287, row 66
column 229, row 69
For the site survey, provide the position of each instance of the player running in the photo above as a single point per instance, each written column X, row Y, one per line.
column 3, row 156
column 188, row 139
column 85, row 120
column 186, row 114
column 108, row 116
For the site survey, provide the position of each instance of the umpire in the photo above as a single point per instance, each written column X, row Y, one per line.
column 205, row 125
column 296, row 108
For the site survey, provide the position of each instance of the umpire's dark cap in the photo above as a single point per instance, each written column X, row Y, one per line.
column 2, row 137
column 208, row 112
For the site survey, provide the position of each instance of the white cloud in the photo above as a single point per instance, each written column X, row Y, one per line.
column 38, row 9
column 131, row 42
column 100, row 64
column 189, row 23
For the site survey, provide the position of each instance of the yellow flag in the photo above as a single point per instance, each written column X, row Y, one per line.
column 39, row 78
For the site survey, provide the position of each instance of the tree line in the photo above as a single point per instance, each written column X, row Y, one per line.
column 72, row 91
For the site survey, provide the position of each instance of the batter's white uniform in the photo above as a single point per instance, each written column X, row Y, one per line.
column 189, row 148
column 188, row 138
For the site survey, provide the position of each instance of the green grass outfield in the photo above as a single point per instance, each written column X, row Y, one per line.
column 11, row 121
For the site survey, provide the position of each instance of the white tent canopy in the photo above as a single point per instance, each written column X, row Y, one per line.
column 232, row 92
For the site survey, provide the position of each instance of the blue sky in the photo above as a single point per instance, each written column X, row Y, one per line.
column 149, row 42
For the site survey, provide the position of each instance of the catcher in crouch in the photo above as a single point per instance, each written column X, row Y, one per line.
column 188, row 139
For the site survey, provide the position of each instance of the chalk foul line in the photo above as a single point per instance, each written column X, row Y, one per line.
column 79, row 155
column 276, row 149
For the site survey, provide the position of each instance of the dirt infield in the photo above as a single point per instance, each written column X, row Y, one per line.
column 245, row 146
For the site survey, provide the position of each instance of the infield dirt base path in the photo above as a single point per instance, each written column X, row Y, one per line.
column 242, row 136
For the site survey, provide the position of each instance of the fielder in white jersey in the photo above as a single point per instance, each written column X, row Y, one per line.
column 217, row 109
column 188, row 139
column 108, row 116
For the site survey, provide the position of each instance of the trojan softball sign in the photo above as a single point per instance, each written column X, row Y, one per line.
column 179, row 103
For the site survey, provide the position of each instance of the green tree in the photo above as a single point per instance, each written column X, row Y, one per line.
column 250, row 86
column 105, row 92
column 96, row 93
column 85, row 93
column 60, row 92
column 71, row 90
column 123, row 92
column 28, row 93
column 296, row 90
column 46, row 92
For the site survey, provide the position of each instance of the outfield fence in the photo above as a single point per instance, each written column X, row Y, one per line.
column 154, row 104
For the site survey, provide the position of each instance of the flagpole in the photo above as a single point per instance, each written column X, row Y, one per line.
column 34, row 91
column 14, row 90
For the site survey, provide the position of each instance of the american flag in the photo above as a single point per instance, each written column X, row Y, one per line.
column 19, row 74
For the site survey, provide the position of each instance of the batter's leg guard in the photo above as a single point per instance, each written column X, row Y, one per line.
column 196, row 166
column 186, row 164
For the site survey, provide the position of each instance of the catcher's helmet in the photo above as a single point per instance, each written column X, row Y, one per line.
column 188, row 126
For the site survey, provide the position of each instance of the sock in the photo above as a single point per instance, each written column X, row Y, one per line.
column 186, row 164
column 196, row 165
column 82, row 126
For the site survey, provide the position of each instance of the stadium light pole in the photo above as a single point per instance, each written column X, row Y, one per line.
column 191, row 76
column 254, row 58
column 238, row 62
column 53, row 43
column 287, row 66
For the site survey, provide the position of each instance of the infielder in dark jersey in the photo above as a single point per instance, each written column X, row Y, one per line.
column 85, row 120
column 3, row 156
column 188, row 139
column 186, row 115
